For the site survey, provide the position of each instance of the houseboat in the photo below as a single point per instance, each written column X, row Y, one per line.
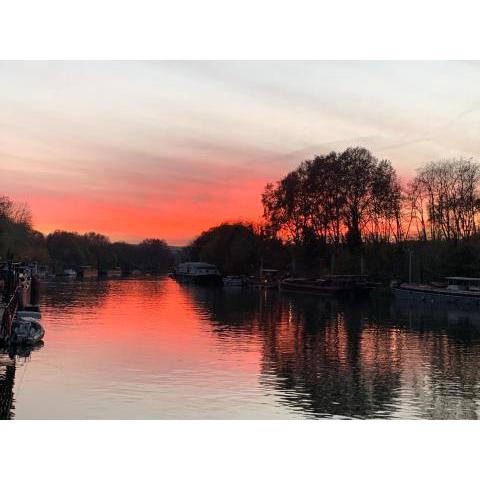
column 328, row 285
column 454, row 289
column 197, row 272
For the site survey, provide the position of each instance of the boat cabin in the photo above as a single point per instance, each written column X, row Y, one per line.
column 196, row 268
column 463, row 284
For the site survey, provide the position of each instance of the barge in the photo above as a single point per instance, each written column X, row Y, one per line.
column 455, row 289
column 328, row 285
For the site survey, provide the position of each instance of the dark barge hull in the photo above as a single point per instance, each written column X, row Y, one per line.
column 199, row 279
column 440, row 295
column 323, row 290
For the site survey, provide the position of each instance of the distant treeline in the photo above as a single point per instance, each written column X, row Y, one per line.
column 349, row 212
column 69, row 249
column 18, row 240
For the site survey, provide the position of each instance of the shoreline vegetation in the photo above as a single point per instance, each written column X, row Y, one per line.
column 344, row 212
column 61, row 249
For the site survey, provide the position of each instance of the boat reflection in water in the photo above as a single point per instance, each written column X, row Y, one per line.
column 154, row 348
column 8, row 366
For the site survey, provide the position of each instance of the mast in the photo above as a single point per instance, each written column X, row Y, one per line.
column 410, row 266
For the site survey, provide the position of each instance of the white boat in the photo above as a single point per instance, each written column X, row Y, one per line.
column 69, row 272
column 455, row 289
column 197, row 272
column 29, row 314
column 26, row 331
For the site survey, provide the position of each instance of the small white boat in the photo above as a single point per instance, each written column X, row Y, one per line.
column 69, row 272
column 29, row 314
column 26, row 332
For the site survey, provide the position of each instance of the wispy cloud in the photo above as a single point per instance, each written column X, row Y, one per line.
column 171, row 148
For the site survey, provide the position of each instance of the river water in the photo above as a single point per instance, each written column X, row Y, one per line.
column 154, row 349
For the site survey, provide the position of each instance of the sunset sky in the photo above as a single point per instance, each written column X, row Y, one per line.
column 168, row 149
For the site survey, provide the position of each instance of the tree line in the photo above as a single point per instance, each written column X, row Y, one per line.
column 70, row 249
column 18, row 238
column 353, row 198
column 62, row 249
column 238, row 248
column 335, row 211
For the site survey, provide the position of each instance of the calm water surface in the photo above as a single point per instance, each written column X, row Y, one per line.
column 154, row 349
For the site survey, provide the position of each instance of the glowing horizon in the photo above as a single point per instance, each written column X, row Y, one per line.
column 169, row 149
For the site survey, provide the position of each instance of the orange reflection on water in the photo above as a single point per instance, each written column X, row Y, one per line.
column 155, row 322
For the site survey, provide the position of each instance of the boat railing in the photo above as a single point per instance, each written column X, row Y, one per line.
column 8, row 315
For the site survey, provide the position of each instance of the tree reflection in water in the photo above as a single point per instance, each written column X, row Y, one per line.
column 376, row 358
column 7, row 380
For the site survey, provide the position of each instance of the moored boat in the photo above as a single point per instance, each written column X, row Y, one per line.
column 197, row 272
column 115, row 272
column 26, row 331
column 30, row 314
column 70, row 273
column 268, row 278
column 455, row 289
column 87, row 271
column 19, row 323
column 328, row 285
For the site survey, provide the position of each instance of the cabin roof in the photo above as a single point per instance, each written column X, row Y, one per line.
column 198, row 264
column 463, row 279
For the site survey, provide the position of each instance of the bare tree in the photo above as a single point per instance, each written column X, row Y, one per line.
column 446, row 192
